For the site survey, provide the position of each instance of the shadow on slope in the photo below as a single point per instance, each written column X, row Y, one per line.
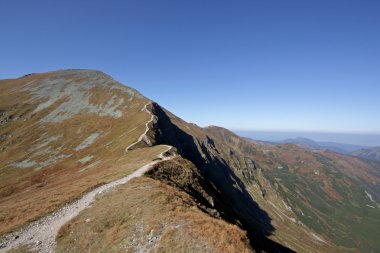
column 231, row 199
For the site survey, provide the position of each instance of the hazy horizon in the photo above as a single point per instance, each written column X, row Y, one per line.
column 360, row 139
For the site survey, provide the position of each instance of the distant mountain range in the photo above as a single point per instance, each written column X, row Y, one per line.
column 71, row 140
column 365, row 152
column 368, row 153
column 333, row 146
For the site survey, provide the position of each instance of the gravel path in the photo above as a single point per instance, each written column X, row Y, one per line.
column 41, row 233
column 146, row 128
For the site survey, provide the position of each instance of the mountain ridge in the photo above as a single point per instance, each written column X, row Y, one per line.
column 224, row 180
column 342, row 148
column 368, row 153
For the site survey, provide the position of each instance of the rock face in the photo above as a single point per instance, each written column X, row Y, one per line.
column 65, row 132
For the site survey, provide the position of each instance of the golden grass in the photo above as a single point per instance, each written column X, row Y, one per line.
column 26, row 194
column 49, row 189
column 149, row 215
column 287, row 232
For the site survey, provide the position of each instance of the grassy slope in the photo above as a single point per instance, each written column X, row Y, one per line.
column 224, row 163
column 151, row 216
column 276, row 178
column 348, row 221
column 243, row 157
column 28, row 193
column 324, row 190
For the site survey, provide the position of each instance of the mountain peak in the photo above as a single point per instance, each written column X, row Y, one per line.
column 68, row 132
column 72, row 72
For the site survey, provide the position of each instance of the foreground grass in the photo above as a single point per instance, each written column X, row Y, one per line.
column 67, row 184
column 149, row 216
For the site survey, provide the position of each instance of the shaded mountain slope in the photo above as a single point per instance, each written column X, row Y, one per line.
column 65, row 132
column 369, row 153
column 149, row 216
column 219, row 161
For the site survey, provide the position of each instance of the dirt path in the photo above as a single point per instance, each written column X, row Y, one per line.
column 41, row 233
column 146, row 128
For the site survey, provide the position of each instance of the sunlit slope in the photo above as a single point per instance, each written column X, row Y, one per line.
column 64, row 132
column 369, row 154
column 334, row 195
column 61, row 134
column 230, row 166
column 162, row 212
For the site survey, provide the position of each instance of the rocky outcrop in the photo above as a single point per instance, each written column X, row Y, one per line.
column 183, row 175
column 231, row 199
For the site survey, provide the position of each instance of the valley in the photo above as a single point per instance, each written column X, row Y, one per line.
column 68, row 135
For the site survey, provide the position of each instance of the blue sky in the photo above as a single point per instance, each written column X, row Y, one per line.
column 250, row 65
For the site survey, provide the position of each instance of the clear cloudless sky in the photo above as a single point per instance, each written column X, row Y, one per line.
column 271, row 65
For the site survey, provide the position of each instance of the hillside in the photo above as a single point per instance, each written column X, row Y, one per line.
column 67, row 133
column 369, row 153
column 316, row 145
column 335, row 195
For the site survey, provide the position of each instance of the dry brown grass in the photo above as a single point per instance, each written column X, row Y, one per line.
column 26, row 194
column 134, row 210
column 125, row 220
column 48, row 189
column 287, row 232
